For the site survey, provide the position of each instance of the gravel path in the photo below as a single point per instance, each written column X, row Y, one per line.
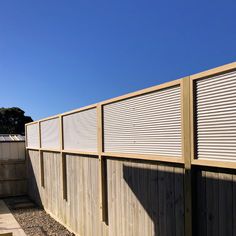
column 34, row 220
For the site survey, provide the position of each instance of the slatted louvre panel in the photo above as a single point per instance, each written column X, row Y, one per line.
column 146, row 124
column 216, row 117
column 80, row 131
column 33, row 136
column 50, row 136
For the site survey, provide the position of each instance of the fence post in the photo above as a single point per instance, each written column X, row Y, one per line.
column 186, row 142
column 41, row 157
column 102, row 167
column 63, row 159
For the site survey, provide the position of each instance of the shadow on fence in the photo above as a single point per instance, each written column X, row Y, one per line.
column 161, row 195
column 214, row 202
column 33, row 183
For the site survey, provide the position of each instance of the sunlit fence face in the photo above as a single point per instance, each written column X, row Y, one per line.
column 146, row 124
column 149, row 123
column 50, row 134
column 32, row 138
column 80, row 131
column 216, row 117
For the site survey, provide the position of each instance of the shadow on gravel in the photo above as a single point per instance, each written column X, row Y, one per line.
column 33, row 219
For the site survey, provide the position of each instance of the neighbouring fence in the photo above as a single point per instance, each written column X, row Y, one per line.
column 12, row 168
column 160, row 161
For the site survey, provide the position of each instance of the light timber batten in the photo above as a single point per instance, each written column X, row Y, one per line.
column 214, row 71
column 42, row 180
column 63, row 159
column 144, row 157
column 186, row 148
column 102, row 167
column 142, row 92
column 80, row 152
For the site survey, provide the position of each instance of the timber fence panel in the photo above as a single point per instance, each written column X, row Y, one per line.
column 214, row 204
column 13, row 180
column 145, row 198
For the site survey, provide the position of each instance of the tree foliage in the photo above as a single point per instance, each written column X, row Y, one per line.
column 13, row 120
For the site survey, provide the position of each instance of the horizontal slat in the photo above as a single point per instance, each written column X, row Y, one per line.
column 217, row 152
column 223, row 96
column 216, row 127
column 128, row 142
column 217, row 114
column 203, row 139
column 223, row 89
column 167, row 111
column 217, row 157
column 217, row 78
column 215, row 133
column 140, row 103
column 159, row 126
column 216, row 117
column 149, row 150
column 121, row 133
column 216, row 111
column 218, row 107
column 224, row 142
column 217, row 121
column 218, row 102
column 147, row 124
column 218, row 148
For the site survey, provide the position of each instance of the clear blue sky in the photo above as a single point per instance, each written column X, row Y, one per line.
column 60, row 55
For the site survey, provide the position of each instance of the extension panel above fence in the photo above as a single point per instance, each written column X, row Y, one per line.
column 146, row 124
column 213, row 101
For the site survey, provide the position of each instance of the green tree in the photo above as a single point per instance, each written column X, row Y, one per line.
column 13, row 120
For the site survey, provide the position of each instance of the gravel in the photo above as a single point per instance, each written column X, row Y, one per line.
column 33, row 219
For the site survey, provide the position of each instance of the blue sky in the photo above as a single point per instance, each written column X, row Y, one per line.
column 60, row 55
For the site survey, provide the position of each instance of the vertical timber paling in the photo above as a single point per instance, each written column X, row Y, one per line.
column 102, row 167
column 63, row 159
column 186, row 147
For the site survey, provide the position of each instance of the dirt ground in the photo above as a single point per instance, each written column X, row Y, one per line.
column 34, row 220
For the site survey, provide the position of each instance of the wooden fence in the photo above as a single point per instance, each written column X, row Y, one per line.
column 160, row 161
column 12, row 168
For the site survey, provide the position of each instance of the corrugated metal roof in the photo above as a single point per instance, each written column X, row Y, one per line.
column 11, row 137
